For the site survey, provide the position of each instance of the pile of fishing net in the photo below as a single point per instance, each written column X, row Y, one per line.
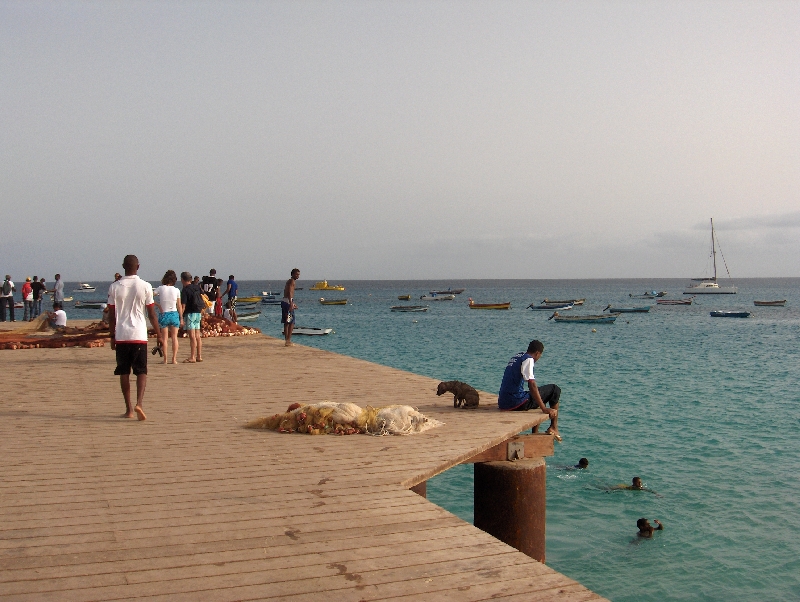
column 38, row 334
column 330, row 418
column 212, row 326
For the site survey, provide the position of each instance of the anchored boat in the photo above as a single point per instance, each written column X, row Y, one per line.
column 247, row 316
column 770, row 303
column 564, row 307
column 627, row 310
column 473, row 305
column 709, row 286
column 449, row 291
column 730, row 314
column 324, row 286
column 649, row 295
column 307, row 330
column 675, row 301
column 84, row 287
column 409, row 308
column 563, row 302
column 404, row 297
column 90, row 304
column 588, row 319
column 325, row 301
column 437, row 297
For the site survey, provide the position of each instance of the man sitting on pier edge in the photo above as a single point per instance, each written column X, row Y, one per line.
column 512, row 390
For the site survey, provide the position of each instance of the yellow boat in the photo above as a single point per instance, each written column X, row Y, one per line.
column 324, row 286
column 248, row 299
column 325, row 301
column 474, row 305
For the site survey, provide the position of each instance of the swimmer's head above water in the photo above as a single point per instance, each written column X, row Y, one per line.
column 582, row 463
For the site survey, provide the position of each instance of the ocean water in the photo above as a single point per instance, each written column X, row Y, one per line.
column 705, row 410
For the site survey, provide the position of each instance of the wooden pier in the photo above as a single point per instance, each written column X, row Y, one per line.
column 190, row 506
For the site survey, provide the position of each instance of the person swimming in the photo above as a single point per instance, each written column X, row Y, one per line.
column 582, row 463
column 646, row 529
column 636, row 485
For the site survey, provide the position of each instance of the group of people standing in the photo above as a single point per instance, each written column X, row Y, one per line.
column 33, row 291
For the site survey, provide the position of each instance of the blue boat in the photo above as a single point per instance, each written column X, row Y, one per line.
column 628, row 310
column 730, row 314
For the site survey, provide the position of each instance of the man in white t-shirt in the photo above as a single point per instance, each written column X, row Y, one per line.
column 58, row 317
column 129, row 299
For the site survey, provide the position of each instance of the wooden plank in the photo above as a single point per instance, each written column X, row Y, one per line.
column 536, row 446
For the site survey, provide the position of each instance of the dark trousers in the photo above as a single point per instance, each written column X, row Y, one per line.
column 6, row 301
column 550, row 395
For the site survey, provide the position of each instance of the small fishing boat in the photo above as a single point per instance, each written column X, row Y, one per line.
column 270, row 301
column 246, row 306
column 84, row 287
column 730, row 314
column 65, row 298
column 325, row 301
column 437, row 297
column 675, row 301
column 248, row 316
column 587, row 319
column 628, row 310
column 473, row 305
column 564, row 307
column 307, row 330
column 449, row 291
column 324, row 286
column 90, row 304
column 563, row 302
column 404, row 297
column 248, row 299
column 409, row 308
column 649, row 295
column 770, row 303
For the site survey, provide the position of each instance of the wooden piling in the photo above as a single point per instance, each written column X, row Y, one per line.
column 510, row 503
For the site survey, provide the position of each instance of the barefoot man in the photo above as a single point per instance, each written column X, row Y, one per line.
column 512, row 390
column 288, row 307
column 128, row 298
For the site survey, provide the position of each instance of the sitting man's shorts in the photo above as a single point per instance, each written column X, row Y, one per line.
column 550, row 395
column 287, row 315
column 191, row 321
column 131, row 356
column 169, row 318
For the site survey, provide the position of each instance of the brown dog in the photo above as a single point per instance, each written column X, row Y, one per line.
column 464, row 396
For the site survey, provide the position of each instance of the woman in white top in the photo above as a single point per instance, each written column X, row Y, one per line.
column 171, row 318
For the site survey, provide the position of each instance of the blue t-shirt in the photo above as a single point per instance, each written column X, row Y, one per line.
column 234, row 288
column 512, row 389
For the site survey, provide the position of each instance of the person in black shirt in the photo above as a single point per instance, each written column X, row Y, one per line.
column 210, row 288
column 37, row 288
column 193, row 307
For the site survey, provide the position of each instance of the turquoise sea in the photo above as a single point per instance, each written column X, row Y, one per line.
column 705, row 410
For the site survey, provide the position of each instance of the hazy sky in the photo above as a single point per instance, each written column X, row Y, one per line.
column 389, row 140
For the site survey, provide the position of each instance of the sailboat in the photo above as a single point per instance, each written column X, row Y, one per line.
column 710, row 286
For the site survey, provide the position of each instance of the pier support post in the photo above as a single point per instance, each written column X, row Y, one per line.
column 510, row 503
column 421, row 489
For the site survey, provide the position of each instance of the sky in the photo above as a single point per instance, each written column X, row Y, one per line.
column 400, row 140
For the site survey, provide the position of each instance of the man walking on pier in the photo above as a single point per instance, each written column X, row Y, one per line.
column 288, row 307
column 129, row 298
column 512, row 390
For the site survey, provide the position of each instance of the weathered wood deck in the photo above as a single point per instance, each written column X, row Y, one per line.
column 190, row 506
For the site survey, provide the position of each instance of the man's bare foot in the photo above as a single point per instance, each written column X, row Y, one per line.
column 128, row 415
column 289, row 344
column 189, row 360
column 140, row 413
column 555, row 433
column 199, row 359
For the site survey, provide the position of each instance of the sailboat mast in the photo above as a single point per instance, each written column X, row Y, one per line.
column 713, row 249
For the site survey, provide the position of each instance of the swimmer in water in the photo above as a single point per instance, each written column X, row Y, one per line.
column 646, row 529
column 636, row 485
column 582, row 463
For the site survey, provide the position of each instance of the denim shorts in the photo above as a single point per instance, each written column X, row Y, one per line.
column 191, row 321
column 169, row 318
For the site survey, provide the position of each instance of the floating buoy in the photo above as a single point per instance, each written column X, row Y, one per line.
column 594, row 330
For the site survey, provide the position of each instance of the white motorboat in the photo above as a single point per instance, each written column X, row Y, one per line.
column 307, row 330
column 84, row 287
column 710, row 286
